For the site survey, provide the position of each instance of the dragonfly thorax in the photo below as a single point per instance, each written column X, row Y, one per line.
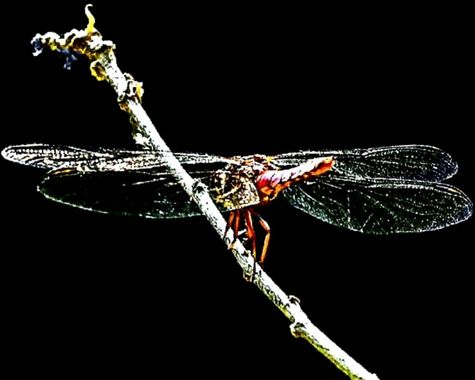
column 235, row 186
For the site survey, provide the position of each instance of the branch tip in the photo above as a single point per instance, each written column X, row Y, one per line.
column 91, row 20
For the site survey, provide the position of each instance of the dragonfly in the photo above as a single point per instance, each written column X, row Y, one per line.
column 384, row 190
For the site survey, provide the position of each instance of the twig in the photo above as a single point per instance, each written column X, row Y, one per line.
column 103, row 65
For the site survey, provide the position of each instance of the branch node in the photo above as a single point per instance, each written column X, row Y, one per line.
column 296, row 329
column 294, row 300
column 248, row 275
column 97, row 70
column 199, row 187
column 131, row 90
column 138, row 132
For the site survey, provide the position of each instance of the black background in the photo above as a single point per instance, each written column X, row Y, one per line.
column 85, row 292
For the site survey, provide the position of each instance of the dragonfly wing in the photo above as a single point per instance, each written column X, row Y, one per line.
column 141, row 193
column 381, row 206
column 46, row 156
column 120, row 193
column 125, row 182
column 417, row 162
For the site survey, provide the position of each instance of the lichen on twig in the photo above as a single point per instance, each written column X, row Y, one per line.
column 103, row 65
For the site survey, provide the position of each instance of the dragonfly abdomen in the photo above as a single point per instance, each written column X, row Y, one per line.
column 271, row 182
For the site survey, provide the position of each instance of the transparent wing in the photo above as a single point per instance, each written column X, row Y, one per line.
column 417, row 162
column 381, row 206
column 46, row 156
column 124, row 193
column 140, row 193
column 124, row 182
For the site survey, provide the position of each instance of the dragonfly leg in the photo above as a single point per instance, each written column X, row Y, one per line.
column 251, row 235
column 233, row 223
column 237, row 222
column 265, row 226
column 230, row 222
column 250, row 232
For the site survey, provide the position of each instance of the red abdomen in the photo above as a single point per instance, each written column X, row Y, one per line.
column 271, row 182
